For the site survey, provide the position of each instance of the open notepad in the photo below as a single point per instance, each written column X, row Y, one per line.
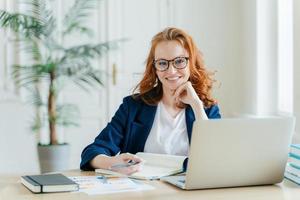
column 155, row 166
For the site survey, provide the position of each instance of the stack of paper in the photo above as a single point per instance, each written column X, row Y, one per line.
column 292, row 170
column 93, row 185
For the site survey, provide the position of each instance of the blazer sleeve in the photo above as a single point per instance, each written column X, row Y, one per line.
column 110, row 138
column 213, row 112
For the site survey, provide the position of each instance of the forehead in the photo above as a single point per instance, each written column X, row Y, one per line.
column 169, row 50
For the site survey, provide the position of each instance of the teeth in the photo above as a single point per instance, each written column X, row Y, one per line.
column 173, row 78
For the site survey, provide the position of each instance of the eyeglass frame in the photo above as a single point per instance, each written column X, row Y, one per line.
column 171, row 61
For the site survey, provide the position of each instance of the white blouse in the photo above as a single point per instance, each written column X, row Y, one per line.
column 168, row 135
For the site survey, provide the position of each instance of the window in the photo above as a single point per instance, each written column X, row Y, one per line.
column 285, row 56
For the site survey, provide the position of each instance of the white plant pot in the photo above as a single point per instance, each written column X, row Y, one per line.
column 54, row 158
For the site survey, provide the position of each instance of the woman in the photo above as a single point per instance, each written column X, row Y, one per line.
column 174, row 92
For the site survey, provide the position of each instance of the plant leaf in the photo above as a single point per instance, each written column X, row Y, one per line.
column 77, row 15
column 67, row 115
column 28, row 26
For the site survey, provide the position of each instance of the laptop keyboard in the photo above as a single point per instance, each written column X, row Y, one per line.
column 180, row 178
column 181, row 181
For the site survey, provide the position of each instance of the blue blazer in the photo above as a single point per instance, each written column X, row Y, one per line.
column 129, row 129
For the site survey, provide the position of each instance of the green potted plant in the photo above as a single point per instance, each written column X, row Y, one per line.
column 50, row 65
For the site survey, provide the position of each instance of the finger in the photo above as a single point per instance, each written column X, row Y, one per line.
column 136, row 159
column 129, row 156
column 183, row 87
column 129, row 170
column 134, row 168
column 126, row 156
column 179, row 90
column 181, row 93
column 187, row 90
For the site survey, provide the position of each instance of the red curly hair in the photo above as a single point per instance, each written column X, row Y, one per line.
column 150, row 88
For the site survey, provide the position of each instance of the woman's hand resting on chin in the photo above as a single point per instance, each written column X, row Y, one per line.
column 186, row 94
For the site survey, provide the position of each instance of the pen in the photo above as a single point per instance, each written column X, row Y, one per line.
column 122, row 165
column 102, row 179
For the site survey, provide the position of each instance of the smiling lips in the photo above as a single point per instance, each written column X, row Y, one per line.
column 173, row 78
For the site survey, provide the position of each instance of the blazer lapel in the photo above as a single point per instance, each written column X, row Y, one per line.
column 145, row 118
column 189, row 118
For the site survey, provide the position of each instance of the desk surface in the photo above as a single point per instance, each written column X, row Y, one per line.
column 12, row 189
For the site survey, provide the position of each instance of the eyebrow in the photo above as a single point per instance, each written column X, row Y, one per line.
column 172, row 58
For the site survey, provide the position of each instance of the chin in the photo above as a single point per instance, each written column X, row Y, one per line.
column 172, row 86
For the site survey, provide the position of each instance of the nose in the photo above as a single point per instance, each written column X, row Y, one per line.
column 171, row 68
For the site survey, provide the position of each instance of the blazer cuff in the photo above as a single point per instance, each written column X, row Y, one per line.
column 85, row 162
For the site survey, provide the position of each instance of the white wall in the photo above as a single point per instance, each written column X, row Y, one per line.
column 18, row 152
column 297, row 66
column 217, row 28
column 248, row 50
column 225, row 31
column 17, row 145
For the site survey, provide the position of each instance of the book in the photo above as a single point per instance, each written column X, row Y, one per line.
column 294, row 159
column 295, row 149
column 155, row 166
column 292, row 177
column 49, row 183
column 292, row 169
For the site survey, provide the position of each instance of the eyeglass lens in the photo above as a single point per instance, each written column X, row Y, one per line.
column 178, row 63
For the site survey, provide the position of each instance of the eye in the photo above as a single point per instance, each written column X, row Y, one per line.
column 162, row 63
column 179, row 61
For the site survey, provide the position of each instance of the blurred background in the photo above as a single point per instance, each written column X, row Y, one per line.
column 252, row 45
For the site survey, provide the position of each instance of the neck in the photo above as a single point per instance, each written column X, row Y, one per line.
column 168, row 98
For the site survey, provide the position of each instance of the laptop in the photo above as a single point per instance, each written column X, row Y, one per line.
column 236, row 152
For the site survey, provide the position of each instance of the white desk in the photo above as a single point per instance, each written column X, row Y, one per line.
column 12, row 189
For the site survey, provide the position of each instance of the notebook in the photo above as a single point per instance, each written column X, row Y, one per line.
column 155, row 166
column 295, row 149
column 49, row 183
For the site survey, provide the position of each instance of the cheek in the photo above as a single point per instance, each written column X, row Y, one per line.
column 159, row 76
column 187, row 74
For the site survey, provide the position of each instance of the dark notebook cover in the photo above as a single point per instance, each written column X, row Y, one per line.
column 49, row 183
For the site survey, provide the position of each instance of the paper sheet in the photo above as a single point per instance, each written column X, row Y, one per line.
column 95, row 185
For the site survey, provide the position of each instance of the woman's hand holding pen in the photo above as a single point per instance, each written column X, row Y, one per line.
column 124, row 163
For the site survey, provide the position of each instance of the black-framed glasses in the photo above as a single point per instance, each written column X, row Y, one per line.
column 178, row 63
